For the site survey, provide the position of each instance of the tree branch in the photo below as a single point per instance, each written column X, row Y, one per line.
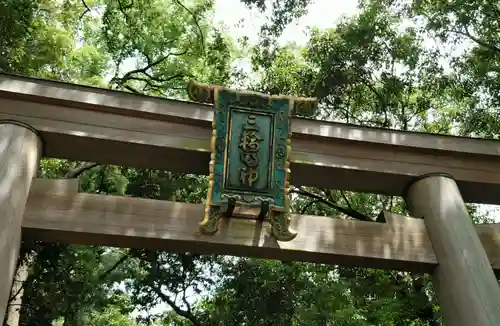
column 346, row 200
column 306, row 206
column 381, row 100
column 466, row 33
column 184, row 299
column 115, row 266
column 152, row 257
column 328, row 194
column 196, row 22
column 87, row 9
column 123, row 7
column 144, row 71
column 349, row 212
column 477, row 40
column 494, row 8
column 131, row 89
column 74, row 173
column 186, row 314
column 14, row 295
column 102, row 176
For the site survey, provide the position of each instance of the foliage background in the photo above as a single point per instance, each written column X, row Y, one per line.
column 417, row 65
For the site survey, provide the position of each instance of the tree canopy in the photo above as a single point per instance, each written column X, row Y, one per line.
column 410, row 64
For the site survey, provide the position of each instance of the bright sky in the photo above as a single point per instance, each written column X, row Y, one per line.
column 322, row 14
column 241, row 21
column 244, row 22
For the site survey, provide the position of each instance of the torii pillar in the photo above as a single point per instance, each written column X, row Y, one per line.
column 468, row 291
column 20, row 151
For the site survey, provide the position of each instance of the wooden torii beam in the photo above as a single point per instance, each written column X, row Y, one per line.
column 89, row 124
column 20, row 148
column 112, row 127
column 57, row 212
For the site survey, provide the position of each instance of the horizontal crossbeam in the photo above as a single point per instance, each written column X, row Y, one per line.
column 112, row 127
column 56, row 212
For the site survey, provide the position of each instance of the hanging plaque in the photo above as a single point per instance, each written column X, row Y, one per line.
column 250, row 156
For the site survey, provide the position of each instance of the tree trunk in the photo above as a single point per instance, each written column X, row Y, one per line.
column 20, row 149
column 16, row 293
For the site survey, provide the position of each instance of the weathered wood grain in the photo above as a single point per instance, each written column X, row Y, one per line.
column 59, row 215
column 19, row 153
column 464, row 280
column 104, row 126
column 157, row 108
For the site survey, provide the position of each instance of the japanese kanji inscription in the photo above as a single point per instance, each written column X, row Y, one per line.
column 249, row 162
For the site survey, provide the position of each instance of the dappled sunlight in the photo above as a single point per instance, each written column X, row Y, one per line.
column 19, row 153
column 460, row 249
column 79, row 133
column 8, row 248
column 350, row 163
column 400, row 243
column 85, row 123
column 101, row 99
column 395, row 137
column 487, row 214
column 56, row 122
column 125, row 233
column 111, row 220
column 132, row 222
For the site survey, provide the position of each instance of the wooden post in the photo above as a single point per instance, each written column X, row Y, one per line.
column 464, row 281
column 20, row 151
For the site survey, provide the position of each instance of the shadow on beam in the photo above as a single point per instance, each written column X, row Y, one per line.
column 56, row 212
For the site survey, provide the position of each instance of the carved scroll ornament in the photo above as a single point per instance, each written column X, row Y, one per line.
column 250, row 156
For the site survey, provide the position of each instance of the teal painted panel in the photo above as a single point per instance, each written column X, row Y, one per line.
column 249, row 160
column 236, row 174
column 249, row 164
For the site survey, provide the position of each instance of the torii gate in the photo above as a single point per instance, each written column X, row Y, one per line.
column 434, row 173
